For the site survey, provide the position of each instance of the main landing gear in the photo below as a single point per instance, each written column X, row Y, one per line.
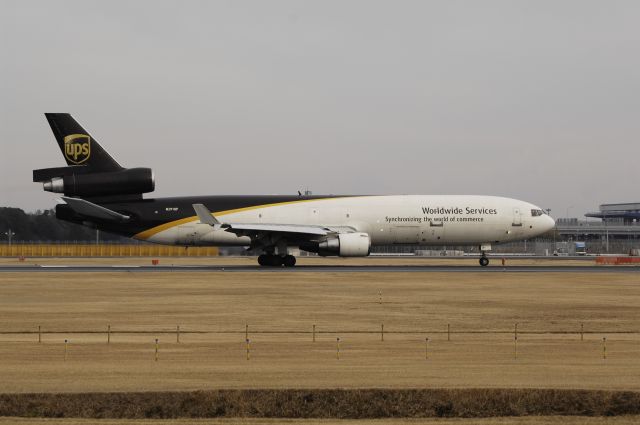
column 484, row 261
column 273, row 260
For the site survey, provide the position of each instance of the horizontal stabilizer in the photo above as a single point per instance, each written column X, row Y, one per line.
column 92, row 210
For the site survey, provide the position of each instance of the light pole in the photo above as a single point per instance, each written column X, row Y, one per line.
column 606, row 231
column 555, row 230
column 10, row 235
column 567, row 214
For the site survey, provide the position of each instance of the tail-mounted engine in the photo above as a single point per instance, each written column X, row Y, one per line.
column 81, row 181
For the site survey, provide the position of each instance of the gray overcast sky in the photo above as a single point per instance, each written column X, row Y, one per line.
column 537, row 100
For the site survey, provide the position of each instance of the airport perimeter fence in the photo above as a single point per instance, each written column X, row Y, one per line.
column 449, row 331
column 21, row 250
column 541, row 248
column 314, row 331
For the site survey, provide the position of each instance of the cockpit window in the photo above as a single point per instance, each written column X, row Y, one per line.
column 536, row 213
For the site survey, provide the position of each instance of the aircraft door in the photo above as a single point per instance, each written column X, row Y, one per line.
column 517, row 217
column 432, row 233
column 405, row 234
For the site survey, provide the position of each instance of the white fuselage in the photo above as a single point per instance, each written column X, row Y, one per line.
column 401, row 219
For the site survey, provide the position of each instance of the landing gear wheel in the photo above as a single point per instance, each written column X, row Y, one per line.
column 289, row 261
column 269, row 260
column 272, row 260
column 484, row 261
column 275, row 261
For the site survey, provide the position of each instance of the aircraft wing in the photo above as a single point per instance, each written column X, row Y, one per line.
column 288, row 231
column 285, row 228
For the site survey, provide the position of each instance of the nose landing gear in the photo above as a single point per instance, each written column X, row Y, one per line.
column 273, row 260
column 484, row 261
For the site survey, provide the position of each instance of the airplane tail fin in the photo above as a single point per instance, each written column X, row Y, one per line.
column 91, row 172
column 78, row 146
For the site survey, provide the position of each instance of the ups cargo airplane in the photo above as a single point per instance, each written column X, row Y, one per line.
column 100, row 193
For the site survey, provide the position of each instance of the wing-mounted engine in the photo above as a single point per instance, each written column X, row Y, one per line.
column 342, row 244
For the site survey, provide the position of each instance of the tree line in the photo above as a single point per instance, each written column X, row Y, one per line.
column 43, row 226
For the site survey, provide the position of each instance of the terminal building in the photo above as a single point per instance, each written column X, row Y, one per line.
column 627, row 213
column 616, row 231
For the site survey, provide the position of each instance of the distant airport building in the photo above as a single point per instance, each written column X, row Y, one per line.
column 618, row 229
column 627, row 213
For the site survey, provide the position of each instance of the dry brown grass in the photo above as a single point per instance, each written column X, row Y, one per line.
column 314, row 403
column 338, row 304
column 537, row 420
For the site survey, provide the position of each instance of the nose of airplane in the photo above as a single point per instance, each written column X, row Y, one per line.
column 549, row 223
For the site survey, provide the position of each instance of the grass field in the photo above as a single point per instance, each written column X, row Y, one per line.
column 555, row 420
column 340, row 305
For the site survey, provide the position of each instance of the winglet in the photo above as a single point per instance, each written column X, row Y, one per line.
column 205, row 215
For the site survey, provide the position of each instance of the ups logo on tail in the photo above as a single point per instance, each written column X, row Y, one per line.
column 77, row 148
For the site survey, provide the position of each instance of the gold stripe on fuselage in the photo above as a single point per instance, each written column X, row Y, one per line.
column 146, row 234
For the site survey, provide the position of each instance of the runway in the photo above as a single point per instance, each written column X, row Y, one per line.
column 317, row 269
